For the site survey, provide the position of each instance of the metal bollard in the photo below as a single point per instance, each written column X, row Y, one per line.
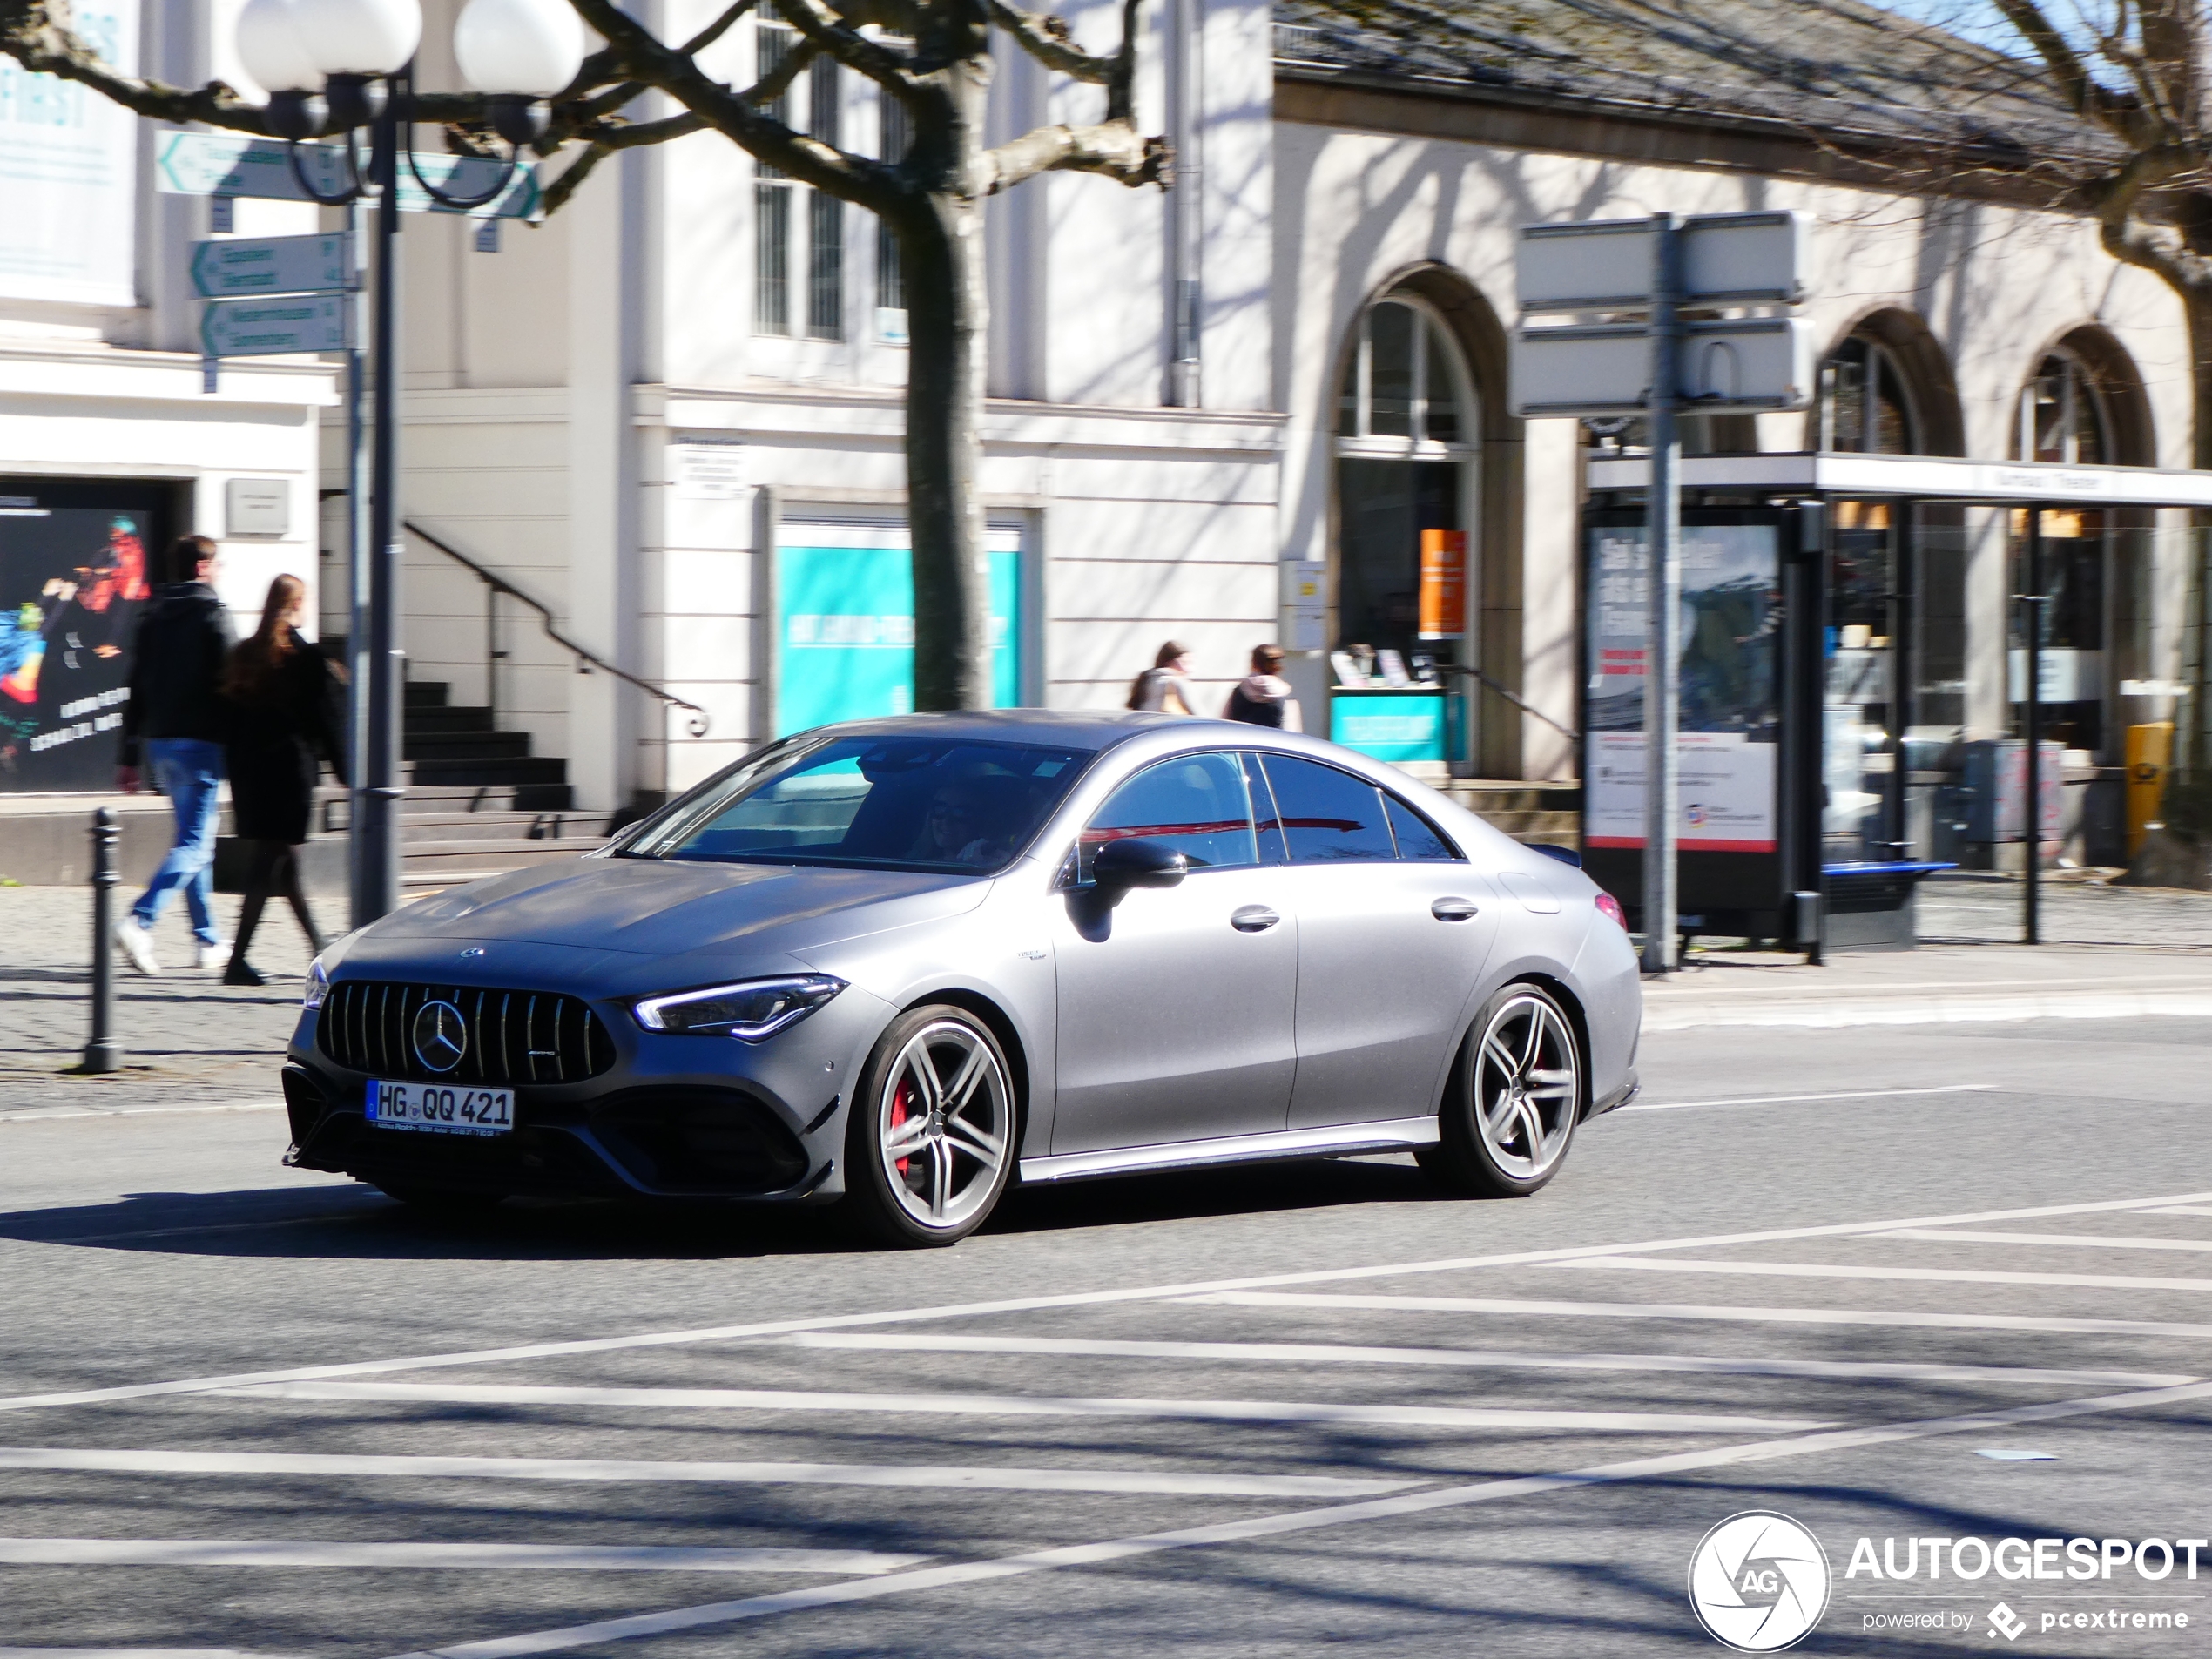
column 100, row 1054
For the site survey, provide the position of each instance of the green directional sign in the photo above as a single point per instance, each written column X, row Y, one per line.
column 270, row 265
column 215, row 164
column 266, row 327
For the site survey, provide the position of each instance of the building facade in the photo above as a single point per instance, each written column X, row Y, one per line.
column 1273, row 405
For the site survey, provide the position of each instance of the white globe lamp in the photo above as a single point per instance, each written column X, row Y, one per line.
column 519, row 48
column 270, row 49
column 360, row 37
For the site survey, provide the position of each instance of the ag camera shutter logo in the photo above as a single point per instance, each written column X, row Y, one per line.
column 1758, row 1583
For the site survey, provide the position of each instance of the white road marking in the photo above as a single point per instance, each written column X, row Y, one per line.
column 1721, row 1312
column 1792, row 1100
column 1078, row 1298
column 889, row 1407
column 133, row 1653
column 2052, row 1003
column 48, row 1114
column 101, row 1460
column 590, row 1558
column 1916, row 1275
column 1404, row 1504
column 2085, row 1241
column 2178, row 1210
column 1331, row 1353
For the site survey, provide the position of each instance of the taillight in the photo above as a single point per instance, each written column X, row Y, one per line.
column 1608, row 905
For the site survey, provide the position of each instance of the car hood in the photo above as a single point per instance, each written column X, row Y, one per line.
column 658, row 908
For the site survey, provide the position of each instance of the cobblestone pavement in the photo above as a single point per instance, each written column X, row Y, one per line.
column 2076, row 909
column 191, row 1040
column 188, row 1039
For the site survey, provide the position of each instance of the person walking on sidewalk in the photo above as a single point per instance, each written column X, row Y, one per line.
column 171, row 727
column 1165, row 688
column 1262, row 698
column 285, row 710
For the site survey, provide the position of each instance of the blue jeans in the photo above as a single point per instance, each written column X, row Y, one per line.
column 190, row 772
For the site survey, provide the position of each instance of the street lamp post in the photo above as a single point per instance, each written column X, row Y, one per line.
column 336, row 67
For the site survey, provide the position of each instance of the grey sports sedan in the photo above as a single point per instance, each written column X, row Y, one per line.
column 898, row 964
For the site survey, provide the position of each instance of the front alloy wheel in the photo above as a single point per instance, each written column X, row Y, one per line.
column 1506, row 1128
column 931, row 1143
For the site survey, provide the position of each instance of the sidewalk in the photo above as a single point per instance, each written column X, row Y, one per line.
column 188, row 1039
column 190, row 1042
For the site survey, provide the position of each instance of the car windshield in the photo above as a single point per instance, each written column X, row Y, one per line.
column 910, row 802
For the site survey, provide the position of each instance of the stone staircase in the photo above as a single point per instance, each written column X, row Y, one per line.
column 1528, row 812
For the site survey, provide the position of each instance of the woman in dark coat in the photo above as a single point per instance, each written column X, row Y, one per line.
column 284, row 705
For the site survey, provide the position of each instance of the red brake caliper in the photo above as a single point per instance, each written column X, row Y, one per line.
column 899, row 1103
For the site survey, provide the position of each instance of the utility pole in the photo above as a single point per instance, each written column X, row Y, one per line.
column 378, row 791
column 2031, row 811
column 1663, row 632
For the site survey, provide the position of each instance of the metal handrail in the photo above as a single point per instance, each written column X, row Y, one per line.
column 1514, row 697
column 697, row 726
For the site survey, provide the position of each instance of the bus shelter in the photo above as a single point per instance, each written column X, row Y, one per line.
column 1854, row 676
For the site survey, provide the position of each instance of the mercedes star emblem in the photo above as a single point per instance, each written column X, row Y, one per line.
column 441, row 1037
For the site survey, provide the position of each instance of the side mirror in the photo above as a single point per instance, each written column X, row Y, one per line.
column 1120, row 866
column 1566, row 855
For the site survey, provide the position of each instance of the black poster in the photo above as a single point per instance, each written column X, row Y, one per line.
column 74, row 581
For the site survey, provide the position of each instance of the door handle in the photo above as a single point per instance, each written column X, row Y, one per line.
column 1252, row 918
column 1455, row 910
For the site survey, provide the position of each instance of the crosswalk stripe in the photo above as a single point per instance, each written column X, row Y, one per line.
column 2067, row 1241
column 1517, row 1307
column 888, row 1406
column 103, row 1461
column 1331, row 1354
column 1910, row 1275
column 1035, row 1304
column 711, row 1615
column 592, row 1558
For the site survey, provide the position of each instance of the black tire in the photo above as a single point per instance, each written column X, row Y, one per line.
column 1523, row 1085
column 447, row 1202
column 941, row 1068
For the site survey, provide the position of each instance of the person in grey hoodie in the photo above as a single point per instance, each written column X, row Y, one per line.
column 174, row 726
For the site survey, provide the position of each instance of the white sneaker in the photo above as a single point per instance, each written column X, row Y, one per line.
column 215, row 956
column 137, row 943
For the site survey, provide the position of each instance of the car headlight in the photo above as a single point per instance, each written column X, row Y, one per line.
column 317, row 985
column 749, row 1010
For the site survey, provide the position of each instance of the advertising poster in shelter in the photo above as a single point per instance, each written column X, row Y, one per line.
column 1730, row 728
column 73, row 583
column 68, row 175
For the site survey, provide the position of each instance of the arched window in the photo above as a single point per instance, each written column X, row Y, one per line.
column 2062, row 414
column 1865, row 405
column 1406, row 437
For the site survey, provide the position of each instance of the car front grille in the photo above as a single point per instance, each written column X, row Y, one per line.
column 508, row 1037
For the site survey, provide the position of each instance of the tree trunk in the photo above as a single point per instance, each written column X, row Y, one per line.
column 947, row 327
column 946, row 320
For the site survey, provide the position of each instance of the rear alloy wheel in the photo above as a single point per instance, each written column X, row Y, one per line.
column 931, row 1142
column 1506, row 1129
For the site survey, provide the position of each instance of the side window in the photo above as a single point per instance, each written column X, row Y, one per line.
column 1329, row 817
column 1272, row 849
column 1196, row 804
column 1417, row 838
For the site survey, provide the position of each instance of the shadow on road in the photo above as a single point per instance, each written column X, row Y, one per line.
column 359, row 1222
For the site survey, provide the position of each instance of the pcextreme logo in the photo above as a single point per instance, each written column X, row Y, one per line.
column 1758, row 1581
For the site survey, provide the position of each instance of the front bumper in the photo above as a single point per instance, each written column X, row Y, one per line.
column 674, row 1118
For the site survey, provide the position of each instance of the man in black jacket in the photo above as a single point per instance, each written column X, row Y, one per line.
column 172, row 720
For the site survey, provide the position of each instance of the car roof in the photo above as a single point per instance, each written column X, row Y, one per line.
column 1092, row 729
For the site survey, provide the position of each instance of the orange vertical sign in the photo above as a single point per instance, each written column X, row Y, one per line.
column 1444, row 584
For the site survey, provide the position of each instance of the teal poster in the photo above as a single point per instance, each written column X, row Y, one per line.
column 845, row 625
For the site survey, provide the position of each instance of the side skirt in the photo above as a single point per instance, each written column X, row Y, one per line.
column 1391, row 1135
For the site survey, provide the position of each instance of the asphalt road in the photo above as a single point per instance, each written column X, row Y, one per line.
column 1310, row 1408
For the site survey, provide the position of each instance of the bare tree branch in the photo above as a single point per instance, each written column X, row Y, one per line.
column 885, row 65
column 716, row 30
column 2075, row 84
column 37, row 36
column 872, row 184
column 1045, row 37
column 1113, row 148
column 1120, row 81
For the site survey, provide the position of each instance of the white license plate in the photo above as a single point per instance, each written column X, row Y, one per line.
column 442, row 1109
